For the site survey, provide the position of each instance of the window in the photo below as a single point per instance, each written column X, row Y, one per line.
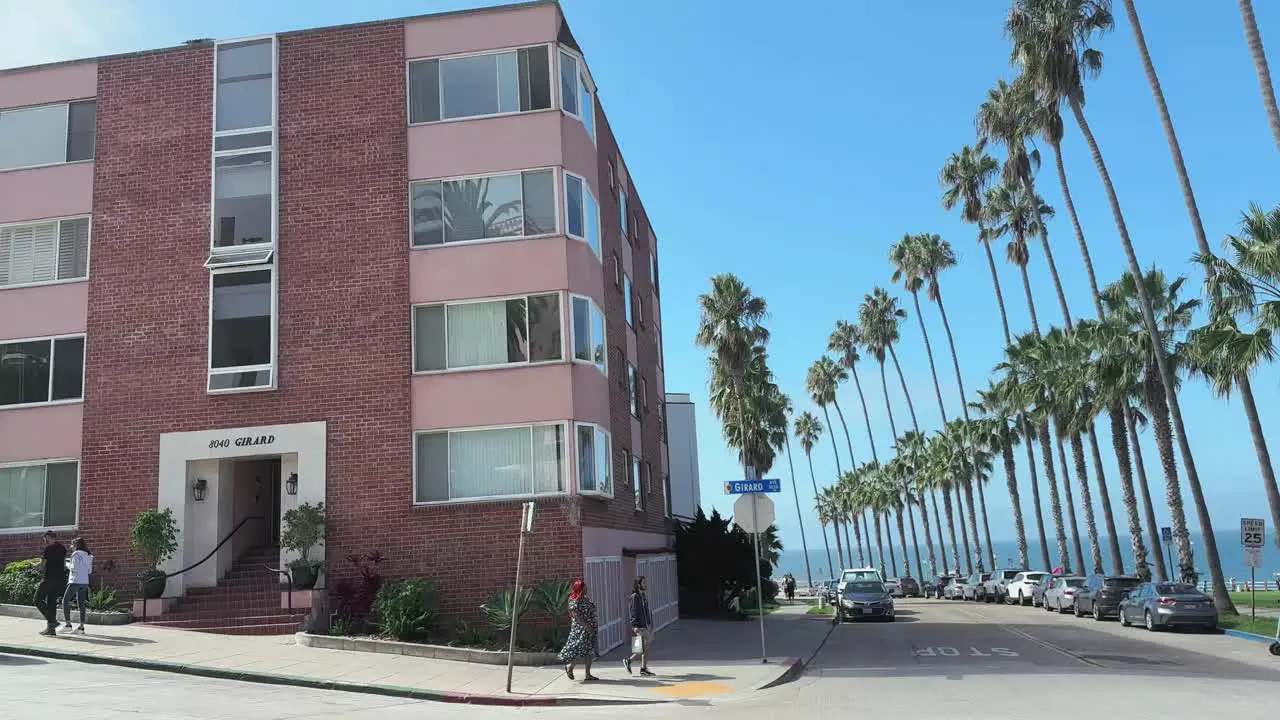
column 662, row 422
column 44, row 370
column 637, row 482
column 479, row 85
column 666, row 495
column 628, row 302
column 632, row 391
column 243, row 223
column 622, row 210
column 653, row 271
column 44, row 252
column 41, row 495
column 242, row 329
column 452, row 465
column 617, row 271
column 657, row 338
column 490, row 333
column 242, row 200
column 576, row 92
column 47, row 134
column 642, row 390
column 245, row 95
column 613, row 174
column 638, row 301
column 499, row 206
column 582, row 215
column 589, row 340
column 595, row 461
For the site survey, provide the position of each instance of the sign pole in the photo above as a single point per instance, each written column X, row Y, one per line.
column 526, row 523
column 1253, row 594
column 764, row 655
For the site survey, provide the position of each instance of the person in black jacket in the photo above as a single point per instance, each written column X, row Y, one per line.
column 53, row 562
column 641, row 628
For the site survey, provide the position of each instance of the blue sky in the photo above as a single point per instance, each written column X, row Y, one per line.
column 793, row 147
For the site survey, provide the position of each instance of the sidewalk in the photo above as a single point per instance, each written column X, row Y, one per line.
column 694, row 659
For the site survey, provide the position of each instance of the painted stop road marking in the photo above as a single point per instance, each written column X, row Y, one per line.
column 965, row 652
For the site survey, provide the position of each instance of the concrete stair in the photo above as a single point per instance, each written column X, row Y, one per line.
column 245, row 602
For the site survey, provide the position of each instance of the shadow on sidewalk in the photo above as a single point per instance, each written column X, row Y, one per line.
column 21, row 660
column 106, row 640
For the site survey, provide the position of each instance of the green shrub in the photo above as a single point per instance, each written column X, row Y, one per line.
column 500, row 609
column 409, row 610
column 154, row 537
column 304, row 528
column 472, row 636
column 552, row 599
column 103, row 599
column 19, row 581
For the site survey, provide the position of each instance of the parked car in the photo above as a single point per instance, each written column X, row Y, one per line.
column 1101, row 595
column 975, row 586
column 1159, row 605
column 954, row 589
column 936, row 587
column 862, row 599
column 1026, row 587
column 910, row 588
column 1060, row 595
column 894, row 586
column 862, row 573
column 827, row 591
column 996, row 589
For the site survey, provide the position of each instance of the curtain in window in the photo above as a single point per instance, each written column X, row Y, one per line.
column 73, row 248
column 22, row 496
column 28, row 253
column 548, row 458
column 586, row 458
column 477, row 334
column 490, row 463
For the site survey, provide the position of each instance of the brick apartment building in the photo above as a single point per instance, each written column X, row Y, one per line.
column 399, row 267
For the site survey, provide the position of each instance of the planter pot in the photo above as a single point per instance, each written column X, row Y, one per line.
column 304, row 576
column 153, row 585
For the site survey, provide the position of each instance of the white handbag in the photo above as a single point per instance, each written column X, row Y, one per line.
column 637, row 644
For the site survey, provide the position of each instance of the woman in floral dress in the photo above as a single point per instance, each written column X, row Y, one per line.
column 583, row 628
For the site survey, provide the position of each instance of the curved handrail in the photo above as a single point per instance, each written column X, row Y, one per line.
column 216, row 548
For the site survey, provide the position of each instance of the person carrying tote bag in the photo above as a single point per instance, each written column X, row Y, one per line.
column 641, row 629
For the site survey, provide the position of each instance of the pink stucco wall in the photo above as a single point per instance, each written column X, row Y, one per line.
column 608, row 542
column 57, row 309
column 505, row 396
column 477, row 31
column 46, row 192
column 484, row 145
column 40, row 433
column 510, row 267
column 590, row 395
column 38, row 86
column 580, row 154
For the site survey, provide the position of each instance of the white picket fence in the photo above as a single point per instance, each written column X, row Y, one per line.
column 1242, row 585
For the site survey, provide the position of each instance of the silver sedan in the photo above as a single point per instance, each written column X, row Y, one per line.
column 1159, row 605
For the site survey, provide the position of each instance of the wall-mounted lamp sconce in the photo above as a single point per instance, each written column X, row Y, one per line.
column 291, row 485
column 198, row 489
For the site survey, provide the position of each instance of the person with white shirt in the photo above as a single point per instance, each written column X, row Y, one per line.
column 81, row 565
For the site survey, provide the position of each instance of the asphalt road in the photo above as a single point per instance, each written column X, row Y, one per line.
column 940, row 659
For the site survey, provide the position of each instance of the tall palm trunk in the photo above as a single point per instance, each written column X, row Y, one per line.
column 951, row 526
column 1148, row 509
column 1011, row 480
column 1075, row 224
column 995, row 281
column 835, row 523
column 964, row 531
column 825, row 542
column 928, row 351
column 893, row 561
column 1029, row 441
column 893, row 428
column 1031, row 303
column 1066, row 494
column 1222, row 599
column 973, row 523
column 1050, row 476
column 1260, row 66
column 942, row 546
column 964, row 409
column 865, row 522
column 1086, row 499
column 1104, row 498
column 902, row 538
column 879, row 542
column 839, row 545
column 804, row 544
column 1164, row 445
column 1057, row 281
column 1120, row 443
column 854, row 518
column 1260, row 446
column 916, row 425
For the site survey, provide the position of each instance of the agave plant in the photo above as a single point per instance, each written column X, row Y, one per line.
column 501, row 609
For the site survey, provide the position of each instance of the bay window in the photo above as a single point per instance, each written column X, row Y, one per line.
column 44, row 252
column 582, row 215
column 487, row 333
column 39, row 495
column 480, row 85
column 589, row 341
column 595, row 460
column 489, row 463
column 577, row 93
column 47, row 134
column 41, row 371
column 513, row 205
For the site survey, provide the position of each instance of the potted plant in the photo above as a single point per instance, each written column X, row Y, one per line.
column 303, row 530
column 154, row 538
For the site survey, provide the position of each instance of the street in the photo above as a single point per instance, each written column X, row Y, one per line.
column 940, row 659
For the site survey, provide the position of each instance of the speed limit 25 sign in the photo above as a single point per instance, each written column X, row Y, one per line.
column 1252, row 532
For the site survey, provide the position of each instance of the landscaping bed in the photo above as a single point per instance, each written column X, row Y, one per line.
column 423, row 650
column 93, row 617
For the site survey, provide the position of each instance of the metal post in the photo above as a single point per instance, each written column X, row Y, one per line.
column 515, row 610
column 755, row 536
column 1253, row 594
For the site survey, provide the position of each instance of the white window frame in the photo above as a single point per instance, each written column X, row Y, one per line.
column 53, row 352
column 582, row 79
column 88, row 258
column 559, row 196
column 273, row 366
column 569, row 457
column 45, row 528
column 628, row 309
column 413, row 333
column 637, row 471
column 598, row 249
column 553, row 79
column 622, row 212
column 66, row 132
column 633, row 390
column 600, row 434
column 604, row 341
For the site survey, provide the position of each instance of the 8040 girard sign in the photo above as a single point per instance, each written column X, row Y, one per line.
column 242, row 441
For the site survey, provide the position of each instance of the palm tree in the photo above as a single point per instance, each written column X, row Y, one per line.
column 964, row 178
column 941, row 467
column 997, row 430
column 1051, row 44
column 912, row 453
column 845, row 341
column 904, row 255
column 821, row 383
column 784, row 405
column 1260, row 66
column 896, row 487
column 808, row 429
column 829, row 511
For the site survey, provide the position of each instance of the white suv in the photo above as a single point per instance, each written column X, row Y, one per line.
column 1022, row 588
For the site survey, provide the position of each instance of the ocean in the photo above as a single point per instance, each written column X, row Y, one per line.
column 1229, row 549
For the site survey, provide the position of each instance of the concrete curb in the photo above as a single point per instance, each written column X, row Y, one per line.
column 422, row 650
column 797, row 665
column 1249, row 636
column 312, row 683
column 92, row 617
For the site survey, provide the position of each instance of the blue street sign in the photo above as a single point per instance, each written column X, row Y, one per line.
column 1166, row 534
column 744, row 487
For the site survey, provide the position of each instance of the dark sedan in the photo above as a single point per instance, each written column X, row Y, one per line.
column 910, row 588
column 1101, row 595
column 865, row 599
column 1159, row 605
